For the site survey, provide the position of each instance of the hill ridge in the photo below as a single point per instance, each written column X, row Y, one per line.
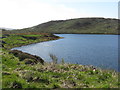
column 76, row 26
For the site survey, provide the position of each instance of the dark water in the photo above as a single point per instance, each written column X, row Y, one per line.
column 96, row 50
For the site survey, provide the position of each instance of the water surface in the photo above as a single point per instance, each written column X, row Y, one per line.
column 96, row 50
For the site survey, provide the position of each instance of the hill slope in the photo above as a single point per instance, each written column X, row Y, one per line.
column 22, row 70
column 79, row 25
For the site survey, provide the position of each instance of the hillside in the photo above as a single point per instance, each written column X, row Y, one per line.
column 78, row 26
column 23, row 70
column 2, row 28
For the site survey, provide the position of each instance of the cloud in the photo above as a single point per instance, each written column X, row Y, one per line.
column 27, row 13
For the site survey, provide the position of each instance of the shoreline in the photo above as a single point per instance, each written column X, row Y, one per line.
column 37, row 42
column 23, row 70
column 52, row 40
column 90, row 33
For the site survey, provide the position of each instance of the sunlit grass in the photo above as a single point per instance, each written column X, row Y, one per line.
column 17, row 74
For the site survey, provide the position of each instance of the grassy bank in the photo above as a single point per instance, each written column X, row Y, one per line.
column 19, row 74
column 15, row 40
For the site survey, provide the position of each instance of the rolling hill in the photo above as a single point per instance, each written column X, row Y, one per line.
column 75, row 26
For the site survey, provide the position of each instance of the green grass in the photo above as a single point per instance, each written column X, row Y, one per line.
column 32, row 35
column 52, row 75
column 19, row 40
column 59, row 75
column 17, row 74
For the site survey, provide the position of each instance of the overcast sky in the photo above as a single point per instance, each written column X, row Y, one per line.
column 18, row 14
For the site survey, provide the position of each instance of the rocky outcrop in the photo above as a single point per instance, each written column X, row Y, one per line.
column 28, row 58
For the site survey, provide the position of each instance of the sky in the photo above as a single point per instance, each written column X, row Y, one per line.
column 19, row 14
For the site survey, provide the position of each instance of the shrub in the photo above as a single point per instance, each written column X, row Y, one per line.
column 62, row 61
column 54, row 58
